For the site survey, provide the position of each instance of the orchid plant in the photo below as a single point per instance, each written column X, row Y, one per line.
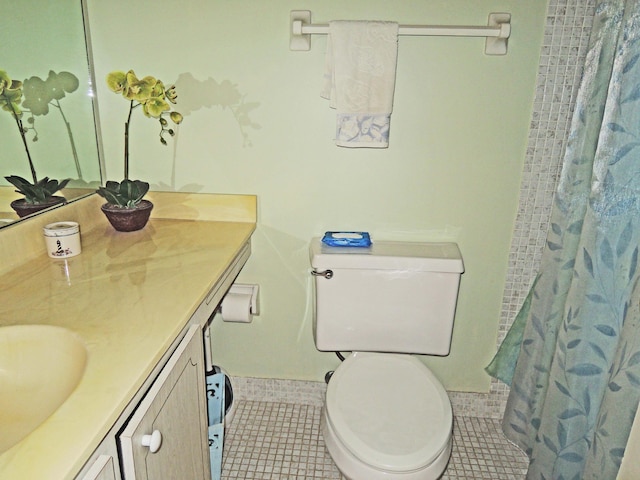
column 151, row 96
column 38, row 95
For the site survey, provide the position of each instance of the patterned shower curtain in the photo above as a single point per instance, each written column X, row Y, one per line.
column 572, row 356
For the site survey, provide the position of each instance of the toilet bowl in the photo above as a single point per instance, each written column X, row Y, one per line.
column 386, row 417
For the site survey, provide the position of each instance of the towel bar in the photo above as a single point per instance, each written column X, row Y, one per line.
column 497, row 31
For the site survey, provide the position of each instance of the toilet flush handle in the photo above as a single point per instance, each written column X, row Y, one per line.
column 328, row 274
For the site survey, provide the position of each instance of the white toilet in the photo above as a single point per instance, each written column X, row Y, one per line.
column 386, row 416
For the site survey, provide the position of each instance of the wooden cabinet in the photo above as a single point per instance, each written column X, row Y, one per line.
column 166, row 437
column 171, row 401
column 103, row 468
column 163, row 435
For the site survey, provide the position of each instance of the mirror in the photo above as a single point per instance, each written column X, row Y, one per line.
column 45, row 46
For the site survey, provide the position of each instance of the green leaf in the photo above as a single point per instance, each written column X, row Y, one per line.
column 563, row 389
column 598, row 351
column 595, row 298
column 617, row 452
column 39, row 192
column 633, row 95
column 575, row 227
column 553, row 246
column 550, row 445
column 623, row 151
column 606, row 330
column 630, row 64
column 633, row 263
column 614, row 387
column 573, row 343
column 520, row 415
column 108, row 195
column 634, row 359
column 562, row 435
column 633, row 379
column 615, row 127
column 585, row 370
column 606, row 254
column 537, row 326
column 616, row 455
column 624, row 240
column 586, row 402
column 571, row 457
column 588, row 262
column 570, row 413
column 517, row 428
column 126, row 194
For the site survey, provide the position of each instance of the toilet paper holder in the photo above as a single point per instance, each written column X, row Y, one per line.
column 244, row 289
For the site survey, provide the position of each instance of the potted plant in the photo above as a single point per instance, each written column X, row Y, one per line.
column 38, row 194
column 126, row 209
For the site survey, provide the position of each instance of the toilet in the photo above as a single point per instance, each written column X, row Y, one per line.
column 386, row 416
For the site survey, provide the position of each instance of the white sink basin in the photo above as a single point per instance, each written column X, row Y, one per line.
column 40, row 365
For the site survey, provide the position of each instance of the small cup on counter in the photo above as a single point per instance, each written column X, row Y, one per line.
column 62, row 239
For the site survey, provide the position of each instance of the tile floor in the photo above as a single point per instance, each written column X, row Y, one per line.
column 269, row 440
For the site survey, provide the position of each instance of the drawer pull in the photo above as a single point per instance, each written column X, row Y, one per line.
column 153, row 441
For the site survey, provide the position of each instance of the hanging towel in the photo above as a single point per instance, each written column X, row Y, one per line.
column 359, row 80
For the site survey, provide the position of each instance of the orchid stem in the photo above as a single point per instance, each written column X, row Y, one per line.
column 126, row 142
column 24, row 141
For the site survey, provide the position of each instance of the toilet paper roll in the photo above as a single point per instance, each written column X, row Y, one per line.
column 236, row 307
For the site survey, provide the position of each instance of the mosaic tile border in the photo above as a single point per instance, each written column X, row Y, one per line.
column 312, row 393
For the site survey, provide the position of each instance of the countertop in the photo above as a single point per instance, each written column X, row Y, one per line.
column 127, row 296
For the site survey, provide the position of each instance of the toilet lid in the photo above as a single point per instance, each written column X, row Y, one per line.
column 389, row 411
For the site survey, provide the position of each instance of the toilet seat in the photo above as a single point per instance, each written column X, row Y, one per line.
column 389, row 411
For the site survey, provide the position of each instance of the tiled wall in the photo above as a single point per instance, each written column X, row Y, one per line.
column 564, row 47
column 566, row 38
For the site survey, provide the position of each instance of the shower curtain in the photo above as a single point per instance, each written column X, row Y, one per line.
column 572, row 356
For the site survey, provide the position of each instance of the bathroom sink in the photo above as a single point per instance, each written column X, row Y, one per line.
column 40, row 365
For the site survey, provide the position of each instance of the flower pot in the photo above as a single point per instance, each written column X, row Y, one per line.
column 22, row 208
column 128, row 219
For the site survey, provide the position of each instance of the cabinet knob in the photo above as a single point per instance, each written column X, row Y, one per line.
column 153, row 441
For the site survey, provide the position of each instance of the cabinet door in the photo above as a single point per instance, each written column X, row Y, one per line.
column 166, row 436
column 102, row 469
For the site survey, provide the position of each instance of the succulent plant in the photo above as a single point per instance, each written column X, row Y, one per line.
column 38, row 192
column 125, row 194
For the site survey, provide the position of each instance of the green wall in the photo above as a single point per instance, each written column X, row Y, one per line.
column 255, row 123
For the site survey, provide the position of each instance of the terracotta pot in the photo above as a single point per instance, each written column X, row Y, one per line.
column 128, row 219
column 22, row 208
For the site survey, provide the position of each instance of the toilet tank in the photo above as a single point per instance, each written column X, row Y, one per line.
column 390, row 297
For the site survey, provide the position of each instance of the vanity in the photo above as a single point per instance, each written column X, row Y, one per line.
column 137, row 302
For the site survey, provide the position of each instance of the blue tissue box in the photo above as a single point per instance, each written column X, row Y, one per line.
column 347, row 239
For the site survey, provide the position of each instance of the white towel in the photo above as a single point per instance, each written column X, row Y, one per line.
column 359, row 80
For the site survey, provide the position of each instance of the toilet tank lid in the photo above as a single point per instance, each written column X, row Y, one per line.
column 442, row 257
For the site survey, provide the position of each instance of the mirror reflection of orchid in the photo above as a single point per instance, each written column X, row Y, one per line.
column 150, row 96
column 41, row 94
column 38, row 95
